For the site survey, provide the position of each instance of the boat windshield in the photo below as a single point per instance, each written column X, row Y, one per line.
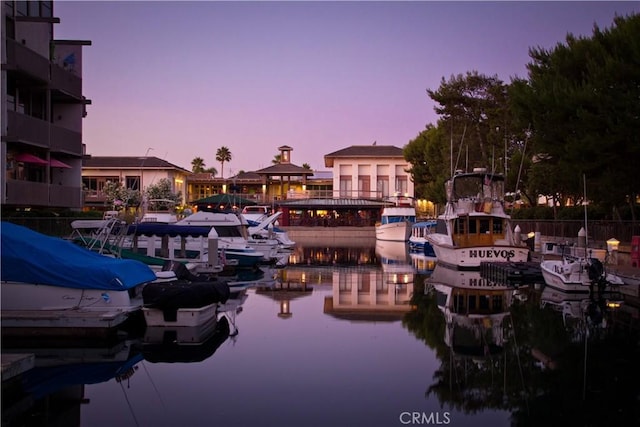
column 478, row 186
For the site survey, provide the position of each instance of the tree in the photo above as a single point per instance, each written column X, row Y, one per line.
column 474, row 110
column 120, row 197
column 223, row 154
column 213, row 171
column 161, row 195
column 306, row 166
column 581, row 101
column 197, row 165
column 276, row 159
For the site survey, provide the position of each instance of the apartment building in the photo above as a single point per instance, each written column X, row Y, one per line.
column 42, row 110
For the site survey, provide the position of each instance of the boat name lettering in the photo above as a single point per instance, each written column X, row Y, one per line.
column 481, row 282
column 491, row 253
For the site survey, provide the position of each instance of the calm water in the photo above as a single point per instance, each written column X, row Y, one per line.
column 351, row 335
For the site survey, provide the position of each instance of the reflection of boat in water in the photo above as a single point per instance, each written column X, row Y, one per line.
column 474, row 318
column 423, row 264
column 185, row 344
column 60, row 374
column 580, row 307
column 397, row 266
column 470, row 279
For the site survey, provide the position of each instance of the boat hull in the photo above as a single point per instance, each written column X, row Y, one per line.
column 395, row 232
column 470, row 258
column 34, row 297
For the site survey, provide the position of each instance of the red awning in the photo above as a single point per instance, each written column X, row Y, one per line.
column 30, row 158
column 58, row 164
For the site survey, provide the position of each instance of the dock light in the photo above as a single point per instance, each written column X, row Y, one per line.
column 612, row 244
column 613, row 304
column 531, row 234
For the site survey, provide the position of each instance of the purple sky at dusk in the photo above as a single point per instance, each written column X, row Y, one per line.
column 185, row 78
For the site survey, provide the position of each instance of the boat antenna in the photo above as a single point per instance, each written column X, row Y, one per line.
column 464, row 131
column 584, row 203
column 524, row 149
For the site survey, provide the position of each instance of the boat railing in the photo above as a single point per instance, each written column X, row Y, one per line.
column 103, row 236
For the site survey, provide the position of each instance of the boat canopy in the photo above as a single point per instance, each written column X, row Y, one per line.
column 159, row 229
column 33, row 258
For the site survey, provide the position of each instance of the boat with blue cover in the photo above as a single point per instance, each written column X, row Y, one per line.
column 45, row 274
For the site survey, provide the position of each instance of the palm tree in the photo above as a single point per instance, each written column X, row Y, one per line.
column 223, row 155
column 197, row 165
column 213, row 171
column 306, row 166
column 276, row 159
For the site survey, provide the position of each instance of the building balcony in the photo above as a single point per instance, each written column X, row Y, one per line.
column 23, row 60
column 64, row 196
column 65, row 141
column 26, row 129
column 66, row 82
column 29, row 193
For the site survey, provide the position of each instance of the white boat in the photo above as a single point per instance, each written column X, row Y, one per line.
column 418, row 240
column 257, row 213
column 577, row 274
column 396, row 221
column 475, row 227
column 232, row 239
column 162, row 211
column 51, row 282
column 268, row 229
column 184, row 304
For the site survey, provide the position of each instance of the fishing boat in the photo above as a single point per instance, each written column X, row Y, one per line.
column 418, row 241
column 51, row 282
column 396, row 221
column 577, row 274
column 474, row 226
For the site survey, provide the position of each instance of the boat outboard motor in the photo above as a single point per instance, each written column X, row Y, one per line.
column 596, row 269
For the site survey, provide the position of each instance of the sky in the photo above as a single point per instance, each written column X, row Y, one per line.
column 180, row 79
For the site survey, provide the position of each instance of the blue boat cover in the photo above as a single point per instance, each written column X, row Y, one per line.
column 31, row 257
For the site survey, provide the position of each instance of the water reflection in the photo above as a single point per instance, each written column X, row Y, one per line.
column 545, row 356
column 442, row 339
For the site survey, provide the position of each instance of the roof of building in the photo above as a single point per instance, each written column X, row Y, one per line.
column 285, row 169
column 364, row 151
column 121, row 162
column 333, row 203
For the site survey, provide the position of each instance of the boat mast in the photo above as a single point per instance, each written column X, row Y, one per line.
column 584, row 203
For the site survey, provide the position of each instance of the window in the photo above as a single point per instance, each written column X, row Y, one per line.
column 364, row 186
column 402, row 184
column 345, row 186
column 383, row 186
column 132, row 182
column 22, row 8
